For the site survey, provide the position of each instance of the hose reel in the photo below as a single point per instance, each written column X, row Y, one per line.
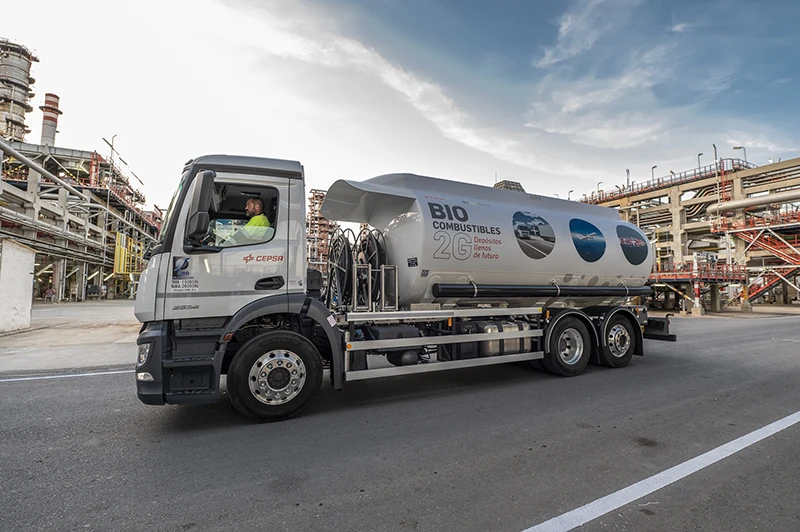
column 354, row 269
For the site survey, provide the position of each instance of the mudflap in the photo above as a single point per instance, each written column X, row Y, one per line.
column 658, row 329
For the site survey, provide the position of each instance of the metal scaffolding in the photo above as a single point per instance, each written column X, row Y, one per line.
column 318, row 232
column 76, row 210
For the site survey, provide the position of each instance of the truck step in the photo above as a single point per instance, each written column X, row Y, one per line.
column 187, row 397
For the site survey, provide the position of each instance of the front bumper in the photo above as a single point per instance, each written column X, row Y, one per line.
column 155, row 333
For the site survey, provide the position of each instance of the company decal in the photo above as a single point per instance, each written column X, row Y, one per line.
column 457, row 238
column 589, row 241
column 455, row 218
column 247, row 259
column 534, row 235
column 633, row 244
column 186, row 307
column 412, row 262
column 182, row 279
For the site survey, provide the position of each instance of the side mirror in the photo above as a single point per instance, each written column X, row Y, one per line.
column 198, row 218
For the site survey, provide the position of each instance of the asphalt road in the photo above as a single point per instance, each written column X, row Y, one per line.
column 502, row 448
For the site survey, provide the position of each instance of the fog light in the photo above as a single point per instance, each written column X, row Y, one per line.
column 144, row 354
column 143, row 376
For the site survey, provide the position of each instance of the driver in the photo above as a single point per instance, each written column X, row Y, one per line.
column 254, row 209
column 256, row 229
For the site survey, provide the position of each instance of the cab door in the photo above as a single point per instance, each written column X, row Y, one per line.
column 211, row 280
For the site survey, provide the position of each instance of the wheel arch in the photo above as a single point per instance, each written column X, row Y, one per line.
column 293, row 304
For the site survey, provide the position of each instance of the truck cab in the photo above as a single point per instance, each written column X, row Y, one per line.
column 212, row 283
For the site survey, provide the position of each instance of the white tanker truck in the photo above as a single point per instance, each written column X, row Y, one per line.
column 446, row 275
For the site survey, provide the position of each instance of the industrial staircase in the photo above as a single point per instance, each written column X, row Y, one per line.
column 769, row 278
column 784, row 248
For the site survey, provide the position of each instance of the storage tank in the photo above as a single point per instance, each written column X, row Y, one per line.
column 495, row 245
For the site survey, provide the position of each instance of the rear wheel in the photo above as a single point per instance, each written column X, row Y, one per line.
column 618, row 343
column 274, row 376
column 569, row 348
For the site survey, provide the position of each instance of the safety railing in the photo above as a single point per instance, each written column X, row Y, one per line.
column 704, row 272
column 703, row 172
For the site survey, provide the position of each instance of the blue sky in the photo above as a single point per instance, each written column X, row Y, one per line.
column 558, row 95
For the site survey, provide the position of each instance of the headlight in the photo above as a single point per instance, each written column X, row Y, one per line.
column 144, row 354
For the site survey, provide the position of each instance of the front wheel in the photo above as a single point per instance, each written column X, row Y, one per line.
column 274, row 376
column 569, row 348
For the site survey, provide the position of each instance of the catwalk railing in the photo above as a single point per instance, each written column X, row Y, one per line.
column 685, row 272
column 696, row 174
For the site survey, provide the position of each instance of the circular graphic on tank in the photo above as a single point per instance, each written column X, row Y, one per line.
column 534, row 235
column 633, row 244
column 589, row 241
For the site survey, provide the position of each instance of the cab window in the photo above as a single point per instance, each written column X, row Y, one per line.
column 242, row 215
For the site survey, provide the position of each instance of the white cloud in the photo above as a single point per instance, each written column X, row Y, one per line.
column 608, row 112
column 327, row 48
column 680, row 28
column 601, row 131
column 758, row 141
column 585, row 23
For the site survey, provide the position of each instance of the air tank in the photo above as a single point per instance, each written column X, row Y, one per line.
column 444, row 233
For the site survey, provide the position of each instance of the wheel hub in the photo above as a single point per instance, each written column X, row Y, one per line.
column 570, row 346
column 618, row 341
column 277, row 377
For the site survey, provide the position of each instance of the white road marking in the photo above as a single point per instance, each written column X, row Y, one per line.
column 43, row 377
column 609, row 503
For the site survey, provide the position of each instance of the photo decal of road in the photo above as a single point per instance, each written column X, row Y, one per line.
column 589, row 241
column 633, row 244
column 534, row 235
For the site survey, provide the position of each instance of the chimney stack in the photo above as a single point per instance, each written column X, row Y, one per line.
column 50, row 120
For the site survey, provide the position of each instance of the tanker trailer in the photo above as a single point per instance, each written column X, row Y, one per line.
column 461, row 244
column 443, row 275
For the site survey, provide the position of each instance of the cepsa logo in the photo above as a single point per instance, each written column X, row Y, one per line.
column 262, row 258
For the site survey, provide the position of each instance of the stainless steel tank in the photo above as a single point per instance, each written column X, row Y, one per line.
column 444, row 232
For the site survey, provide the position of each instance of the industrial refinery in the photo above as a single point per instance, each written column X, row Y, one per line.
column 723, row 234
column 74, row 206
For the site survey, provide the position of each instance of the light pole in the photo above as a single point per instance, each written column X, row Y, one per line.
column 598, row 185
column 698, row 161
column 568, row 195
column 743, row 149
column 653, row 172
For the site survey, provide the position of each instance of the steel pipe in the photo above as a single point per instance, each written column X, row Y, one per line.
column 440, row 290
column 777, row 197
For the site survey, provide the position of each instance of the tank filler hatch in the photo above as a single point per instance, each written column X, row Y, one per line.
column 353, row 201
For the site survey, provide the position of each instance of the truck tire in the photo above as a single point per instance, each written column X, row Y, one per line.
column 274, row 376
column 569, row 348
column 618, row 343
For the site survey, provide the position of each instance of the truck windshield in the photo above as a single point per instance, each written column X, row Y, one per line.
column 171, row 209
